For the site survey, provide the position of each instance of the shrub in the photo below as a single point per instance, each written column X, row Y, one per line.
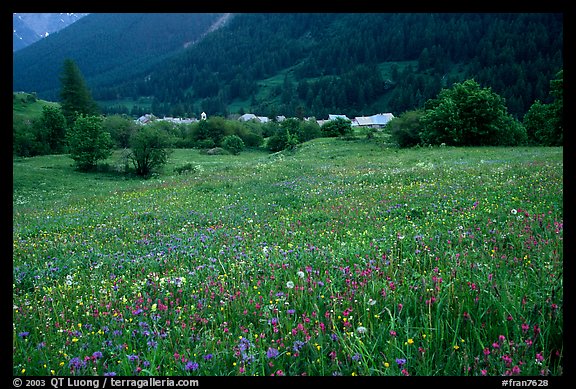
column 233, row 143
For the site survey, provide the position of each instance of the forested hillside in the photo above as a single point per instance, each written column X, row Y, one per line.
column 354, row 63
column 107, row 47
column 309, row 64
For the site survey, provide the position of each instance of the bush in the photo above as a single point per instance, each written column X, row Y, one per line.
column 186, row 168
column 337, row 127
column 405, row 129
column 233, row 143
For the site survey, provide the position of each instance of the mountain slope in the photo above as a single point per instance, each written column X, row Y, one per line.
column 298, row 64
column 31, row 27
column 356, row 63
column 107, row 47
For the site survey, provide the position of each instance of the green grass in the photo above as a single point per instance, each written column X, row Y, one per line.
column 25, row 107
column 340, row 258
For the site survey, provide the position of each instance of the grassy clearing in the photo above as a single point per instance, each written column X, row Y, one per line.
column 341, row 258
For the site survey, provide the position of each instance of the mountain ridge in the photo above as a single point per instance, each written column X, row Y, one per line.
column 29, row 28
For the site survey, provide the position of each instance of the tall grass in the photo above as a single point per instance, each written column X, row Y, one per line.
column 340, row 258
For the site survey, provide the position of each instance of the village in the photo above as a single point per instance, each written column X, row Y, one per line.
column 377, row 121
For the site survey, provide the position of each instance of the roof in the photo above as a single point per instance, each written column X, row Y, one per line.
column 380, row 119
column 247, row 116
column 333, row 117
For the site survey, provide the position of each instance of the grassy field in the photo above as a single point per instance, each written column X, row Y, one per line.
column 26, row 107
column 340, row 258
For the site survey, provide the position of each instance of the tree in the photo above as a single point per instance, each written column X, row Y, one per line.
column 405, row 129
column 75, row 97
column 52, row 125
column 469, row 115
column 148, row 150
column 545, row 122
column 120, row 128
column 88, row 142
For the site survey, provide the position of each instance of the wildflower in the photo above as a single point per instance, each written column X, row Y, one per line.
column 191, row 366
column 361, row 330
column 290, row 284
column 392, row 333
column 400, row 361
column 300, row 274
column 76, row 363
column 356, row 357
column 272, row 353
column 208, row 357
column 539, row 358
column 97, row 355
column 525, row 327
column 24, row 334
column 298, row 344
column 513, row 211
column 410, row 341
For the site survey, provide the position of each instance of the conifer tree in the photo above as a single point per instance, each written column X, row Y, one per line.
column 75, row 97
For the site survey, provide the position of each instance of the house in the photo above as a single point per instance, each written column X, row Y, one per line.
column 250, row 116
column 375, row 121
column 247, row 117
column 177, row 120
column 145, row 119
column 148, row 118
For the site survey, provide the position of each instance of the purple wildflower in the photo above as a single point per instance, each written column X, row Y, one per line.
column 400, row 361
column 272, row 353
column 97, row 354
column 191, row 366
column 298, row 344
column 76, row 363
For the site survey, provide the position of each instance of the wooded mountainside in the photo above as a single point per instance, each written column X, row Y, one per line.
column 301, row 64
column 108, row 48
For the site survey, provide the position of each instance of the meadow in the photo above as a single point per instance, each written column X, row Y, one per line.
column 339, row 258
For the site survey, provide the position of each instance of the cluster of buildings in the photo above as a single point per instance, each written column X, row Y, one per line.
column 379, row 120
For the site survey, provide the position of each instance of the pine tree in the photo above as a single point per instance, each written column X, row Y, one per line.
column 75, row 97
